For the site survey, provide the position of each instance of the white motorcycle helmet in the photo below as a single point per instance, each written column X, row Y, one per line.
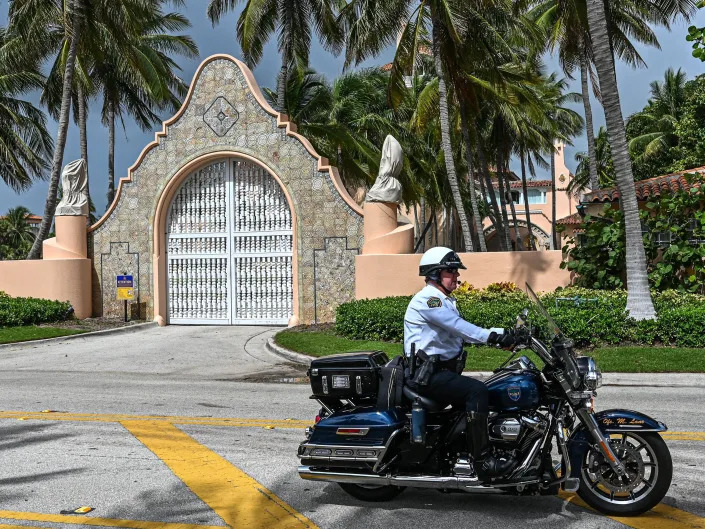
column 437, row 259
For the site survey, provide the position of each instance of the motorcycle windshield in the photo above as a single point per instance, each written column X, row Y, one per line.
column 553, row 327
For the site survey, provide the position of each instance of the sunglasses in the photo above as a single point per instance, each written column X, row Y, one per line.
column 452, row 270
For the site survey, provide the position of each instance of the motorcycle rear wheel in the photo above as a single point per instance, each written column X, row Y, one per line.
column 372, row 492
column 649, row 472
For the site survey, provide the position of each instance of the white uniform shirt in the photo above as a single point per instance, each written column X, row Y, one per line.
column 433, row 323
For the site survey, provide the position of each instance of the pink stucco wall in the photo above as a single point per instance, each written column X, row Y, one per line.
column 378, row 276
column 59, row 279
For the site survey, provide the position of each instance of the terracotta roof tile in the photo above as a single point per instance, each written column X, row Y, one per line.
column 651, row 187
column 529, row 183
column 571, row 220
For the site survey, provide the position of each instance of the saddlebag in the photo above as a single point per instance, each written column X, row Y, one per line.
column 391, row 385
column 347, row 375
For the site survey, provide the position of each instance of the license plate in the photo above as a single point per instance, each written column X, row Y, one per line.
column 341, row 382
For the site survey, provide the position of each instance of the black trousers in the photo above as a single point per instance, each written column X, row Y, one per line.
column 447, row 387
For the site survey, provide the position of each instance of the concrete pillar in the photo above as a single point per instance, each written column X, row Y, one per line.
column 383, row 234
column 71, row 241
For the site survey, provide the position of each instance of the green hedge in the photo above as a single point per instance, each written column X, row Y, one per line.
column 31, row 311
column 681, row 316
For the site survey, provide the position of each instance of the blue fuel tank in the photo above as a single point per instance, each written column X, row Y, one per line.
column 509, row 391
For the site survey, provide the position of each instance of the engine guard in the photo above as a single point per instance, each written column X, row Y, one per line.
column 609, row 421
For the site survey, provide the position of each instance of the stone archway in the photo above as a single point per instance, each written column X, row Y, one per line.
column 239, row 303
column 541, row 238
column 225, row 115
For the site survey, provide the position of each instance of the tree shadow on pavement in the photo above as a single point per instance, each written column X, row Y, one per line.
column 22, row 436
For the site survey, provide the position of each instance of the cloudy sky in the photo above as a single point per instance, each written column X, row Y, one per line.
column 634, row 89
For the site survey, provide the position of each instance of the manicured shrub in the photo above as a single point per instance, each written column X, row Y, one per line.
column 683, row 326
column 373, row 319
column 595, row 318
column 31, row 311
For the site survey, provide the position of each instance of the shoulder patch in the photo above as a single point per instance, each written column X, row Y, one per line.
column 434, row 302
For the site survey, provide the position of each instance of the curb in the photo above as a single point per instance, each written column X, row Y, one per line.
column 654, row 380
column 137, row 327
column 291, row 356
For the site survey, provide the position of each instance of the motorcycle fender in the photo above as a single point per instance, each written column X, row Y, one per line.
column 609, row 421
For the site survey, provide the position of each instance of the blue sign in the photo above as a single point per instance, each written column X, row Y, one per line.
column 124, row 282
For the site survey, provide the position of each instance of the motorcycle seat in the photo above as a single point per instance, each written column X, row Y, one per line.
column 426, row 403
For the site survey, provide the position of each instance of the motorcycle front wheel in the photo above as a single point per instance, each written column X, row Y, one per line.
column 647, row 461
column 372, row 492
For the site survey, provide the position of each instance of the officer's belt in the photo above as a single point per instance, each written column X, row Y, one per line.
column 441, row 365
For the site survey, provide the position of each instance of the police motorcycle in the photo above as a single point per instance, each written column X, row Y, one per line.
column 375, row 436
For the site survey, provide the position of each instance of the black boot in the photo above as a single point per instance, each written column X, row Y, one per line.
column 487, row 465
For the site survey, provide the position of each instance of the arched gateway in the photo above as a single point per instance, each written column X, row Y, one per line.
column 228, row 217
column 229, row 247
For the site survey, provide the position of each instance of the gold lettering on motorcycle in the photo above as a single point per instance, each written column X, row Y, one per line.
column 608, row 421
column 621, row 421
column 635, row 421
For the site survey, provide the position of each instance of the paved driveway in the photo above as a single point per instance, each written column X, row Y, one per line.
column 175, row 352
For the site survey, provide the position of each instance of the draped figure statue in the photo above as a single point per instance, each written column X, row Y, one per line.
column 387, row 188
column 74, row 186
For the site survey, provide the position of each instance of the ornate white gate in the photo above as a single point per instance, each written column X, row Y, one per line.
column 229, row 248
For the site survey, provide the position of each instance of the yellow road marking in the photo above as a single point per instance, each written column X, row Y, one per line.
column 660, row 517
column 100, row 522
column 237, row 498
column 233, row 422
column 174, row 419
column 683, row 436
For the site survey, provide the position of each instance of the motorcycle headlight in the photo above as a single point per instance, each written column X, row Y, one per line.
column 591, row 374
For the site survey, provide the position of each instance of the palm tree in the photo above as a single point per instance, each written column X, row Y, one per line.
column 657, row 121
column 139, row 78
column 566, row 25
column 15, row 229
column 25, row 145
column 293, row 20
column 602, row 162
column 372, row 26
column 33, row 20
column 639, row 303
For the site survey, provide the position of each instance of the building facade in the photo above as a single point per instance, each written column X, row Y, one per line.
column 228, row 217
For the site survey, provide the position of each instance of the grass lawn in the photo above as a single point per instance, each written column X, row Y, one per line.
column 610, row 359
column 32, row 332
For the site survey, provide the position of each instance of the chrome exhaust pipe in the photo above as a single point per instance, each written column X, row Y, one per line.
column 425, row 482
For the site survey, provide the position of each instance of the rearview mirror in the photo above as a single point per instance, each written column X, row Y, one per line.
column 523, row 318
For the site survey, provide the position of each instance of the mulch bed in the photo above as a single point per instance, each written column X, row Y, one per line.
column 92, row 324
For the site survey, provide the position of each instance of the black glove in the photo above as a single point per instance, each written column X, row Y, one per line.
column 506, row 339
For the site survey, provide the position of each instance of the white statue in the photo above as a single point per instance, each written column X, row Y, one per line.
column 74, row 185
column 387, row 188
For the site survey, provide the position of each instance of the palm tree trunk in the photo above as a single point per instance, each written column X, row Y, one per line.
column 519, row 245
column 422, row 247
column 82, row 118
column 58, row 158
column 639, row 303
column 471, row 179
column 592, row 159
column 496, row 218
column 281, row 85
column 435, row 227
column 445, row 138
column 554, row 242
column 111, row 152
column 503, row 205
column 525, row 192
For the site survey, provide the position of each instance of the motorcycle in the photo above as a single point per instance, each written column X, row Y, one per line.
column 375, row 436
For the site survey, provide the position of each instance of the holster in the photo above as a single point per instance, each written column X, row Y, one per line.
column 460, row 362
column 425, row 371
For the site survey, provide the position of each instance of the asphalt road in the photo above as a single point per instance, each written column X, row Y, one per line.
column 139, row 430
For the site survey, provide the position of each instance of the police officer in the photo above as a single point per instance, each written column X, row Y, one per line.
column 434, row 328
